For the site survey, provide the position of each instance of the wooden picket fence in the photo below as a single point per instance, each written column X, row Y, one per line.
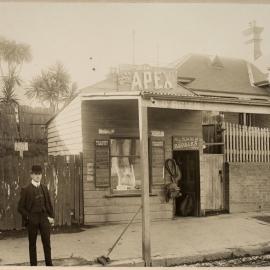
column 246, row 144
column 62, row 176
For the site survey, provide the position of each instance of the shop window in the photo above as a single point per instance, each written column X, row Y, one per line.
column 125, row 164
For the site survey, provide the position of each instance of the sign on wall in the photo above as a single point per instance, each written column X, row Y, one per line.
column 145, row 77
column 186, row 143
column 157, row 133
column 102, row 163
column 21, row 147
column 106, row 131
column 157, row 162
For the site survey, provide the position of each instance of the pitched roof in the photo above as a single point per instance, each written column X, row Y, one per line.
column 220, row 74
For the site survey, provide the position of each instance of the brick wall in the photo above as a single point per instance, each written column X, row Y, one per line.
column 249, row 187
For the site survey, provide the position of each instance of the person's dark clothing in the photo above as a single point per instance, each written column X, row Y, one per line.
column 35, row 206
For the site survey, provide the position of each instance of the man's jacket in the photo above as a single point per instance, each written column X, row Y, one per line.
column 26, row 202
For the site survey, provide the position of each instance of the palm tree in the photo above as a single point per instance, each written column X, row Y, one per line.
column 8, row 90
column 12, row 57
column 51, row 87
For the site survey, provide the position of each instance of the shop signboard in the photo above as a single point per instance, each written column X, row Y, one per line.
column 144, row 77
column 186, row 143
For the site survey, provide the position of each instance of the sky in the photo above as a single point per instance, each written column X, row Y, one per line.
column 84, row 35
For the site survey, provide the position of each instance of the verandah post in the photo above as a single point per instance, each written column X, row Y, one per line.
column 143, row 128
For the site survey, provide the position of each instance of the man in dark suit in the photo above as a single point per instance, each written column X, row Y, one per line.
column 37, row 213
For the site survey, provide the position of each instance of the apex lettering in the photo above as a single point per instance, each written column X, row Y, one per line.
column 155, row 80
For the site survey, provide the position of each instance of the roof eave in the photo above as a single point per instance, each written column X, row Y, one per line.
column 207, row 99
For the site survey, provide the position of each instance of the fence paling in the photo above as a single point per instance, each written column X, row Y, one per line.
column 246, row 144
column 58, row 176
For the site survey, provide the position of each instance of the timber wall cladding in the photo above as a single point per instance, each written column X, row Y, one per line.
column 249, row 187
column 62, row 179
column 122, row 116
column 65, row 131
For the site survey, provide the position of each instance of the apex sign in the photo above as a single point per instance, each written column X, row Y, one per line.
column 147, row 78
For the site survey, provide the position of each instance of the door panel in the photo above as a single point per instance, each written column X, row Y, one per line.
column 213, row 181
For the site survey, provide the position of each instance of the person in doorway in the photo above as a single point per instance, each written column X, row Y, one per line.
column 37, row 214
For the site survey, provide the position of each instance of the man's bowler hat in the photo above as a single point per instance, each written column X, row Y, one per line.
column 36, row 169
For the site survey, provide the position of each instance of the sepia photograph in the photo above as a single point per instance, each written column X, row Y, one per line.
column 134, row 133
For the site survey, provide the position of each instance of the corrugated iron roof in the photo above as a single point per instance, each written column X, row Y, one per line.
column 179, row 91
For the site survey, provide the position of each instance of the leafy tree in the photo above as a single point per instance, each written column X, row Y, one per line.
column 51, row 87
column 73, row 91
column 12, row 57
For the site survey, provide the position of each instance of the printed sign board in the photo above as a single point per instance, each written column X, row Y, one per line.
column 185, row 143
column 157, row 162
column 102, row 163
column 105, row 131
column 21, row 147
column 157, row 133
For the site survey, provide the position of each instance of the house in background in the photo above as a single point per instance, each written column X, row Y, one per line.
column 243, row 134
column 202, row 111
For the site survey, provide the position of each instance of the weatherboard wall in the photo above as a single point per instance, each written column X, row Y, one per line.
column 100, row 205
column 65, row 131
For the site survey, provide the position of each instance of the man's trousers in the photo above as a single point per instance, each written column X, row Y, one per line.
column 39, row 222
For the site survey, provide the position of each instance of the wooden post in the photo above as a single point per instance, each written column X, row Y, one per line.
column 143, row 128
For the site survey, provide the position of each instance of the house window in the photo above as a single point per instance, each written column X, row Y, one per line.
column 246, row 119
column 125, row 164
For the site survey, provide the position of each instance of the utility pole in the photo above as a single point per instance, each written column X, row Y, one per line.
column 143, row 128
column 254, row 32
column 133, row 47
column 157, row 54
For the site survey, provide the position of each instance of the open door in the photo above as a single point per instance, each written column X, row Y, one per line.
column 189, row 203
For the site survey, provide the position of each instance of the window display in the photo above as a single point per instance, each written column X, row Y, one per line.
column 125, row 164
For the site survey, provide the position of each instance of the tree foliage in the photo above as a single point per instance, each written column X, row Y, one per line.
column 12, row 57
column 52, row 87
column 8, row 89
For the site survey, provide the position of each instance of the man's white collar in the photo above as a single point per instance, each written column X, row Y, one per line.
column 35, row 183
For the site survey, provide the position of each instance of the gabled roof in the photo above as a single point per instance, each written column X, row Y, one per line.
column 221, row 75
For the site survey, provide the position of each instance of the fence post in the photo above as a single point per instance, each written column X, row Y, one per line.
column 267, row 145
column 230, row 139
column 241, row 142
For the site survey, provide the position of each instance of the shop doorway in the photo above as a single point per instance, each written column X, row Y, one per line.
column 189, row 203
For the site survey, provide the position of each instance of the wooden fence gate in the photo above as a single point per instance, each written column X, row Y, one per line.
column 62, row 175
column 214, row 181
